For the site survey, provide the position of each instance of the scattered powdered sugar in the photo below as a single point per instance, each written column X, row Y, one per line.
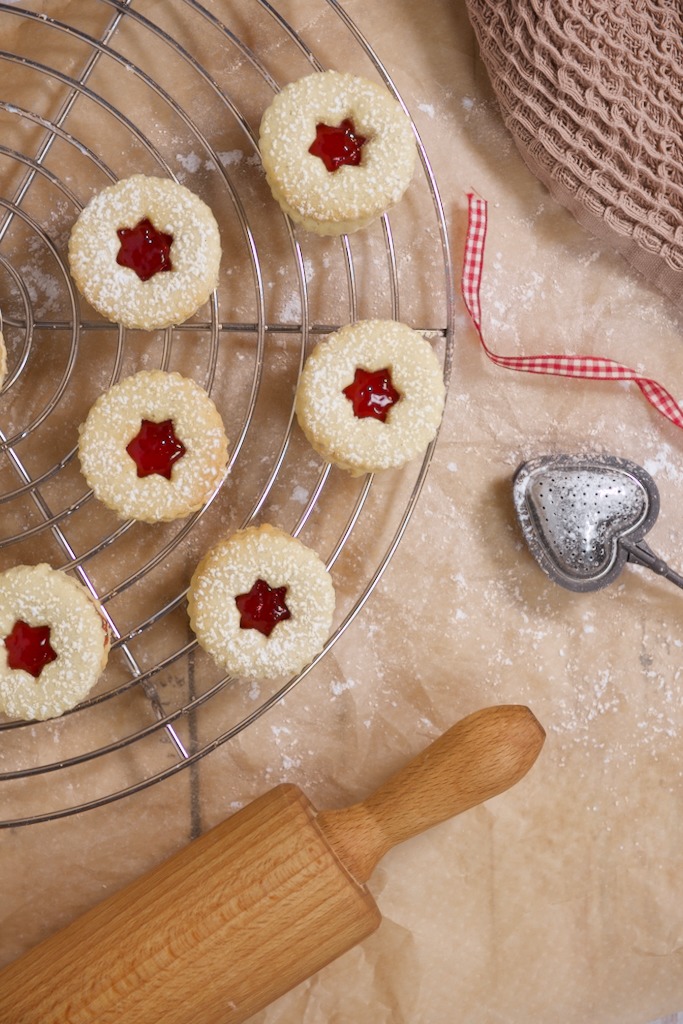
column 230, row 157
column 666, row 461
column 44, row 290
column 290, row 310
column 191, row 162
column 337, row 687
column 300, row 495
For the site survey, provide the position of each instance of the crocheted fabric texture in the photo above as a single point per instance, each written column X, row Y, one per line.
column 592, row 91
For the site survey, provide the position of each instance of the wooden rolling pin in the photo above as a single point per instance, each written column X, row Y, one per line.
column 262, row 901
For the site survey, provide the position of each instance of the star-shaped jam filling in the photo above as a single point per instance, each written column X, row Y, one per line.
column 338, row 145
column 29, row 647
column 372, row 393
column 155, row 448
column 144, row 249
column 263, row 607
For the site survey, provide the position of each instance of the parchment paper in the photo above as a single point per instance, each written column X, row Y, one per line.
column 561, row 899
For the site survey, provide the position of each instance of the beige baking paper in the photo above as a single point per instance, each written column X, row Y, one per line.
column 561, row 899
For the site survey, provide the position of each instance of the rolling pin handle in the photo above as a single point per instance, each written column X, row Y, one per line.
column 479, row 757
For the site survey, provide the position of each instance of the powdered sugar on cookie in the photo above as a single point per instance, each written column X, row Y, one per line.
column 117, row 291
column 350, row 197
column 327, row 418
column 116, row 418
column 39, row 596
column 232, row 568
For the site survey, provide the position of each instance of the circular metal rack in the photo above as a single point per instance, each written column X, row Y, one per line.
column 117, row 89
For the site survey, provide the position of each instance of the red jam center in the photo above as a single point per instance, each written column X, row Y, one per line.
column 372, row 393
column 28, row 647
column 338, row 145
column 262, row 608
column 155, row 448
column 144, row 249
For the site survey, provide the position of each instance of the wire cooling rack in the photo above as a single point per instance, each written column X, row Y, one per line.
column 177, row 89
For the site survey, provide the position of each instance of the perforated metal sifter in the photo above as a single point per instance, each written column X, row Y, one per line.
column 584, row 517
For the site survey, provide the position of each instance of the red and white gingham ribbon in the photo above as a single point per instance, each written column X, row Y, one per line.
column 588, row 367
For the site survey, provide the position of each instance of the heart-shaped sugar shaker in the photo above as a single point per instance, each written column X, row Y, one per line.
column 584, row 517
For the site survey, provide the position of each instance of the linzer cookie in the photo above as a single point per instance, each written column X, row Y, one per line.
column 371, row 396
column 54, row 642
column 261, row 603
column 153, row 447
column 145, row 252
column 338, row 151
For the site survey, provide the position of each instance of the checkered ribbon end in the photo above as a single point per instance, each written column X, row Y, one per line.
column 587, row 367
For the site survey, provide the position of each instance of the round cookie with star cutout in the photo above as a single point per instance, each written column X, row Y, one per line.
column 153, row 447
column 261, row 603
column 145, row 252
column 338, row 151
column 54, row 642
column 371, row 396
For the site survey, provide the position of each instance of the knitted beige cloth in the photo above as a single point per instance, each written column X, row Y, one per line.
column 592, row 91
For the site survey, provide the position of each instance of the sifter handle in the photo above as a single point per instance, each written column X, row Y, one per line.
column 477, row 758
column 642, row 554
